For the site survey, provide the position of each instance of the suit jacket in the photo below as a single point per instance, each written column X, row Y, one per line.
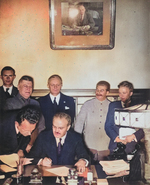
column 3, row 96
column 18, row 102
column 90, row 121
column 87, row 20
column 66, row 104
column 8, row 136
column 45, row 146
column 112, row 130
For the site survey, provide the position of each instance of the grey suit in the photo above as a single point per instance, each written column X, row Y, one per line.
column 90, row 121
column 18, row 102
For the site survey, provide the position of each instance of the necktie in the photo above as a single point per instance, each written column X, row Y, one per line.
column 55, row 105
column 7, row 93
column 59, row 147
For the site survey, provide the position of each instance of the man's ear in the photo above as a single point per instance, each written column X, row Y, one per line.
column 131, row 93
column 16, row 124
column 0, row 76
column 68, row 127
column 107, row 93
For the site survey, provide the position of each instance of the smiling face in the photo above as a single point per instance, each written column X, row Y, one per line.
column 124, row 94
column 54, row 85
column 25, row 88
column 25, row 128
column 8, row 78
column 101, row 92
column 60, row 127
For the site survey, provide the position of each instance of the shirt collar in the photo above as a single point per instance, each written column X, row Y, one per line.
column 62, row 139
column 10, row 89
column 57, row 98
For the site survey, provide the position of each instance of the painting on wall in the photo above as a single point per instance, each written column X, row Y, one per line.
column 82, row 24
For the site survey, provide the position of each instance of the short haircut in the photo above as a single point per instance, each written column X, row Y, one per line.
column 27, row 78
column 105, row 83
column 29, row 113
column 7, row 68
column 126, row 84
column 63, row 115
column 55, row 76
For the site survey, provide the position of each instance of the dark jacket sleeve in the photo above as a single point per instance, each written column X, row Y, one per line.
column 111, row 129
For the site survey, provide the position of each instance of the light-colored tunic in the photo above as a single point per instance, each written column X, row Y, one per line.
column 90, row 121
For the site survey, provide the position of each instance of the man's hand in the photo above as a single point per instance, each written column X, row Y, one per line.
column 129, row 138
column 81, row 165
column 118, row 140
column 28, row 148
column 20, row 153
column 27, row 161
column 46, row 162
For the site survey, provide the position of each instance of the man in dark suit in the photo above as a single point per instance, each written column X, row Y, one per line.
column 60, row 146
column 16, row 129
column 7, row 90
column 25, row 87
column 56, row 101
column 112, row 130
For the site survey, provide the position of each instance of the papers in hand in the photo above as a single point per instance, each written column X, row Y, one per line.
column 113, row 167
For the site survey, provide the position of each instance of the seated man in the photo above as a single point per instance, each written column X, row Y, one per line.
column 60, row 146
column 84, row 19
column 91, row 120
column 112, row 130
column 16, row 128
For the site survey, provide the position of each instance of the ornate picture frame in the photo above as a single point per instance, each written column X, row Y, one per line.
column 68, row 33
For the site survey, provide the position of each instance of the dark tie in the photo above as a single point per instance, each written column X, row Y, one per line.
column 55, row 105
column 59, row 147
column 7, row 93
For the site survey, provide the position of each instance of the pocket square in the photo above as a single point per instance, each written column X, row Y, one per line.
column 66, row 108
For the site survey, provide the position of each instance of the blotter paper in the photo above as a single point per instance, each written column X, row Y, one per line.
column 59, row 171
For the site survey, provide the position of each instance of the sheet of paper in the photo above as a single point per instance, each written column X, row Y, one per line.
column 6, row 168
column 59, row 171
column 10, row 160
column 102, row 182
column 125, row 131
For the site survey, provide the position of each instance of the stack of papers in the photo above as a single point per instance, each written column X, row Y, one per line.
column 113, row 167
column 10, row 162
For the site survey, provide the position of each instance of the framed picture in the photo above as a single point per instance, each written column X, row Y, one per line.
column 82, row 24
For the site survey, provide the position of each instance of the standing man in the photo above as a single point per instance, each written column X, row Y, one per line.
column 7, row 90
column 16, row 129
column 25, row 87
column 60, row 146
column 56, row 101
column 91, row 120
column 112, row 130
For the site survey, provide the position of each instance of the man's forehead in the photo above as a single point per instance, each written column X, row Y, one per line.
column 26, row 82
column 60, row 122
column 55, row 79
